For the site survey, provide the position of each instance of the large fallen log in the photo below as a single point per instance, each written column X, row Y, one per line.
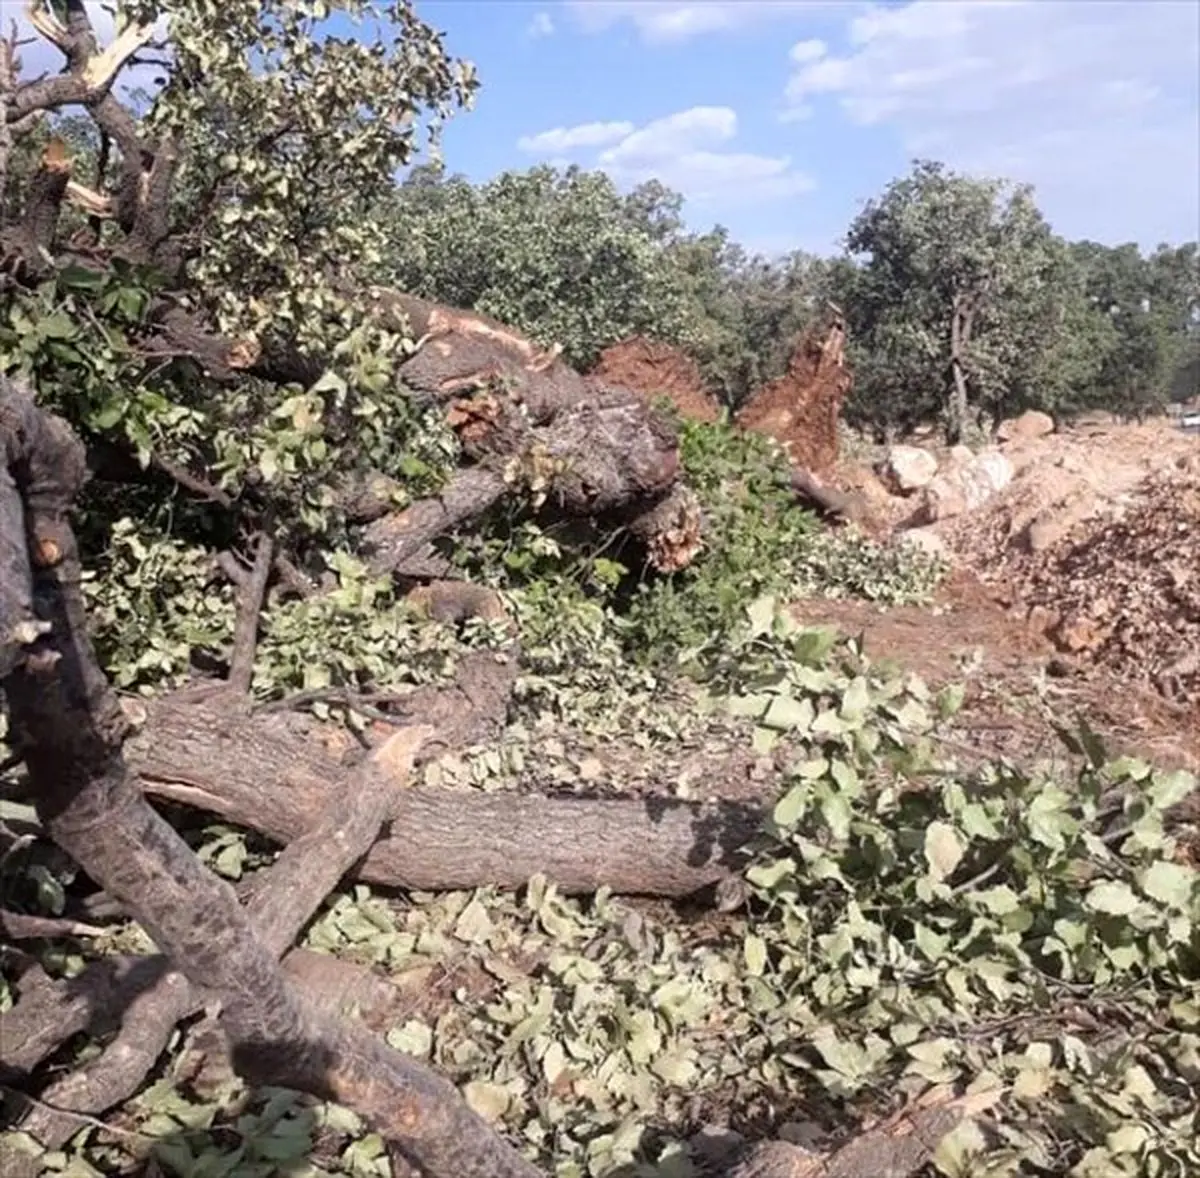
column 528, row 421
column 258, row 772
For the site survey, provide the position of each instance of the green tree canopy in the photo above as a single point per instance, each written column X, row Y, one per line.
column 963, row 300
column 562, row 256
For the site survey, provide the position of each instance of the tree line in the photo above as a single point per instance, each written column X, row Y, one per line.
column 963, row 304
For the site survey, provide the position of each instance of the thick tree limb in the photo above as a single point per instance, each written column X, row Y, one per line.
column 258, row 772
column 897, row 1147
column 68, row 725
column 280, row 900
column 394, row 539
column 252, row 592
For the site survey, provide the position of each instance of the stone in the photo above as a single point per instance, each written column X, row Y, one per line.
column 926, row 540
column 1031, row 424
column 909, row 468
column 962, row 489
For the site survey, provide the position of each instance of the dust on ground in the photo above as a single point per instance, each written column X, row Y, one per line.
column 1096, row 544
column 1017, row 685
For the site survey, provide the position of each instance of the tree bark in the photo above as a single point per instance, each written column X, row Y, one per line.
column 832, row 503
column 897, row 1147
column 254, row 772
column 962, row 315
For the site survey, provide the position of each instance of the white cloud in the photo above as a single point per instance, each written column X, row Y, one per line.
column 683, row 151
column 541, row 26
column 805, row 51
column 665, row 20
column 571, row 138
column 1096, row 104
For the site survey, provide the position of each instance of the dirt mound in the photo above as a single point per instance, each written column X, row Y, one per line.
column 1096, row 541
column 1128, row 593
column 654, row 369
column 801, row 408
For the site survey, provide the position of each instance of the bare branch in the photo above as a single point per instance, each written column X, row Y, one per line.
column 252, row 592
column 47, row 24
column 100, row 71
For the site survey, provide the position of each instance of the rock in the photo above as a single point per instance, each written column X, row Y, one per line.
column 1031, row 424
column 961, row 455
column 965, row 488
column 1045, row 532
column 927, row 540
column 909, row 468
column 989, row 474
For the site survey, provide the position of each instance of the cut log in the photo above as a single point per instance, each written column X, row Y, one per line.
column 258, row 772
column 897, row 1147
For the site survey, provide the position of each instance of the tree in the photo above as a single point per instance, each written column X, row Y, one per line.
column 560, row 255
column 957, row 278
column 746, row 311
column 1148, row 305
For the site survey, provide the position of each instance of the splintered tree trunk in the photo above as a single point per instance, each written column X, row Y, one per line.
column 69, row 728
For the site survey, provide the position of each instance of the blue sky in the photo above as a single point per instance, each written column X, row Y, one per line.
column 779, row 119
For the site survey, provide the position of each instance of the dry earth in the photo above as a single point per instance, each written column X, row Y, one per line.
column 654, row 369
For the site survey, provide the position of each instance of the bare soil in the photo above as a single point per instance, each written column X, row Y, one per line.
column 654, row 369
column 801, row 409
column 1016, row 682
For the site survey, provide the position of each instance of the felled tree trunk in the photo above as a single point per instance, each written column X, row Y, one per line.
column 253, row 772
column 528, row 422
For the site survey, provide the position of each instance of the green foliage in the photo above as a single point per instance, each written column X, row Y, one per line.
column 908, row 911
column 910, row 925
column 291, row 133
column 946, row 254
column 758, row 540
column 747, row 310
column 561, row 256
column 1144, row 313
column 154, row 607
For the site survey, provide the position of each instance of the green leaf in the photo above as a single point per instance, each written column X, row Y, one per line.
column 950, row 700
column 1172, row 884
column 1115, row 899
column 754, row 952
column 790, row 807
column 856, row 700
column 786, row 713
column 761, row 615
column 57, row 326
column 943, row 849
